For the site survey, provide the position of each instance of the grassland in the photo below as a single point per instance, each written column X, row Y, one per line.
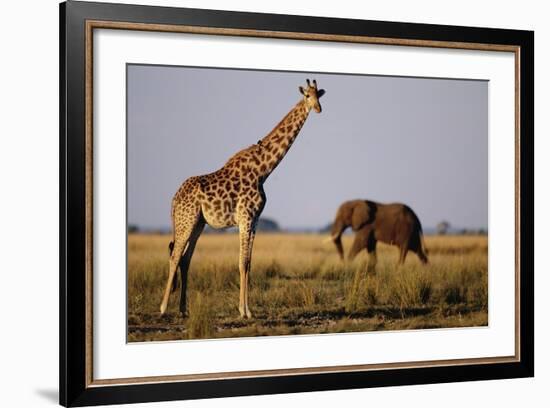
column 299, row 286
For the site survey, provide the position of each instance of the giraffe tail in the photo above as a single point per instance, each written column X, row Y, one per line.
column 175, row 281
column 171, row 244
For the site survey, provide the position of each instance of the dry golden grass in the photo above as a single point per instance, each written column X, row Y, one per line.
column 298, row 286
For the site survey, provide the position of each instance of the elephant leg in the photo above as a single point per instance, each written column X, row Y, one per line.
column 403, row 250
column 371, row 250
column 359, row 243
column 421, row 250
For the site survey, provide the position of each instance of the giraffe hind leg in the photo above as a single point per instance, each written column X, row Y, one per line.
column 174, row 261
column 175, row 282
column 185, row 262
column 181, row 240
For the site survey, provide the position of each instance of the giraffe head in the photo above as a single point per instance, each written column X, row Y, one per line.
column 312, row 95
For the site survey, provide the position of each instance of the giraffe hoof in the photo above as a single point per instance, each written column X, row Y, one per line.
column 162, row 309
column 245, row 313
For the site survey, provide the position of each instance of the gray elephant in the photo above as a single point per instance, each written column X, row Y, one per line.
column 394, row 224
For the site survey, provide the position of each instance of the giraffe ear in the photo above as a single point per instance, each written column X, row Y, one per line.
column 301, row 90
column 320, row 93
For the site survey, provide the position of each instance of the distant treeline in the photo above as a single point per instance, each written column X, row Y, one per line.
column 264, row 224
column 270, row 225
column 430, row 230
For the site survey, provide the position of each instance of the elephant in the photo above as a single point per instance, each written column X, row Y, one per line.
column 394, row 224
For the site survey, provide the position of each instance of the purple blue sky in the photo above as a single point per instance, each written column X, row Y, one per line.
column 420, row 141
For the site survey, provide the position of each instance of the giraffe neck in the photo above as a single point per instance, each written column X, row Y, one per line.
column 276, row 144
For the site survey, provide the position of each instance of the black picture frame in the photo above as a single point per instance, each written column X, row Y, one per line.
column 75, row 388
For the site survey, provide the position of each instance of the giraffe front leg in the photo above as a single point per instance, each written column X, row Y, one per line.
column 246, row 235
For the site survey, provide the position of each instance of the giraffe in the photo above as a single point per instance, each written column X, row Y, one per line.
column 232, row 196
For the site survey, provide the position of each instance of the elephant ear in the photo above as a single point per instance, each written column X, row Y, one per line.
column 360, row 215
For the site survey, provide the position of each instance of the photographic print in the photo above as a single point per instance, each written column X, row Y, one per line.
column 266, row 203
column 257, row 204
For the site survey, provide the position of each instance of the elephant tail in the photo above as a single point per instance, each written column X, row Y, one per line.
column 423, row 243
column 423, row 249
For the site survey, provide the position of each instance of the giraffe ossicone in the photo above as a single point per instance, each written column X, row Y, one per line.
column 233, row 196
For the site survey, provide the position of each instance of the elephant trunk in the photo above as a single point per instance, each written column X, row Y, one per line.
column 339, row 247
column 336, row 236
